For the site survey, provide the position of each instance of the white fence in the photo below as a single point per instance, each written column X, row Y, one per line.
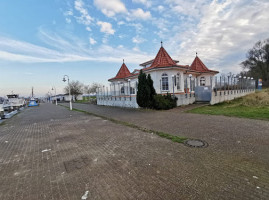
column 225, row 95
column 224, row 88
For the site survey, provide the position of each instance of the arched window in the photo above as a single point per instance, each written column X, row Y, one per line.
column 132, row 90
column 122, row 90
column 165, row 85
column 202, row 81
column 178, row 80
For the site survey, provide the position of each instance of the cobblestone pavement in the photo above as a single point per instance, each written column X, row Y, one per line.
column 49, row 152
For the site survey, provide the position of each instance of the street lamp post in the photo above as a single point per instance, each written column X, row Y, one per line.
column 240, row 83
column 173, row 86
column 54, row 88
column 69, row 90
column 49, row 93
column 244, row 83
column 190, row 75
column 129, row 85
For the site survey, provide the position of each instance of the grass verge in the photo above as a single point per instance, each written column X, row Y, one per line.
column 253, row 106
column 159, row 133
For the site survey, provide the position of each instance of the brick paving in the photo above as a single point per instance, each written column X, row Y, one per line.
column 49, row 152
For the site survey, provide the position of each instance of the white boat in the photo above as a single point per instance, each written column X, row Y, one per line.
column 5, row 107
column 1, row 109
column 15, row 101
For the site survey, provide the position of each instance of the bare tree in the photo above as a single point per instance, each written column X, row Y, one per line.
column 257, row 62
column 91, row 88
column 76, row 88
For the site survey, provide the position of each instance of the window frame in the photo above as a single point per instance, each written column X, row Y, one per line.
column 202, row 80
column 165, row 82
column 178, row 81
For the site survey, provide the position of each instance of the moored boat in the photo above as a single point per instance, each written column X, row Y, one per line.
column 15, row 101
column 5, row 107
column 33, row 101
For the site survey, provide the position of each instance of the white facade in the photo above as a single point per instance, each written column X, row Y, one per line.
column 167, row 76
column 181, row 81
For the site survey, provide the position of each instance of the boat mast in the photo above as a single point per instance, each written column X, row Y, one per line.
column 32, row 91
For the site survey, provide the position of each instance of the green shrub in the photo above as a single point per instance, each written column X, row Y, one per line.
column 164, row 102
column 143, row 93
column 146, row 91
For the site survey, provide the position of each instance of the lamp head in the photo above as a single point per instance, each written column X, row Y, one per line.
column 64, row 79
column 190, row 75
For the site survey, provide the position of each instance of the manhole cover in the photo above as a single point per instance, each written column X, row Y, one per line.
column 196, row 143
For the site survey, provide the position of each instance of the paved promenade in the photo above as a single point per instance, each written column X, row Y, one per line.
column 49, row 152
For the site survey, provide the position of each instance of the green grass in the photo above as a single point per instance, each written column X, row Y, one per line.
column 82, row 101
column 159, row 133
column 253, row 106
column 86, row 99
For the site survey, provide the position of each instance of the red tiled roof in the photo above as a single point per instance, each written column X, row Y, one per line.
column 162, row 59
column 151, row 61
column 198, row 65
column 122, row 73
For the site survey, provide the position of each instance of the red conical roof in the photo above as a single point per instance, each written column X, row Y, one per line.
column 162, row 59
column 122, row 73
column 198, row 65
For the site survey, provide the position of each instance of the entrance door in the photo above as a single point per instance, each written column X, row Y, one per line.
column 203, row 93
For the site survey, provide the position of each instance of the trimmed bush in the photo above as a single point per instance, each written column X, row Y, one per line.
column 146, row 91
column 164, row 102
column 143, row 93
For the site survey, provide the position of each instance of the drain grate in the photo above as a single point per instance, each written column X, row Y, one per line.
column 196, row 143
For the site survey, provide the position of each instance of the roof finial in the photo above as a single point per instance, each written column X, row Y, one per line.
column 196, row 53
column 123, row 60
column 161, row 43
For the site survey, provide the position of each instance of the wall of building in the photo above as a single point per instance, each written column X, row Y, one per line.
column 185, row 99
column 221, row 96
column 157, row 76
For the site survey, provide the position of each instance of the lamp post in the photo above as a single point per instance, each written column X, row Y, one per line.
column 244, row 82
column 129, row 85
column 54, row 88
column 69, row 88
column 190, row 75
column 161, row 86
column 49, row 93
column 240, row 83
column 252, row 83
column 119, row 87
column 173, row 85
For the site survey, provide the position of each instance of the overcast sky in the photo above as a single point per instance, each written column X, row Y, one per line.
column 40, row 41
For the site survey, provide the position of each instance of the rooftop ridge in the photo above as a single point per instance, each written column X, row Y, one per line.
column 162, row 59
column 123, row 72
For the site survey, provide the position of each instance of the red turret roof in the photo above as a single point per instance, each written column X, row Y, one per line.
column 122, row 73
column 199, row 66
column 162, row 59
